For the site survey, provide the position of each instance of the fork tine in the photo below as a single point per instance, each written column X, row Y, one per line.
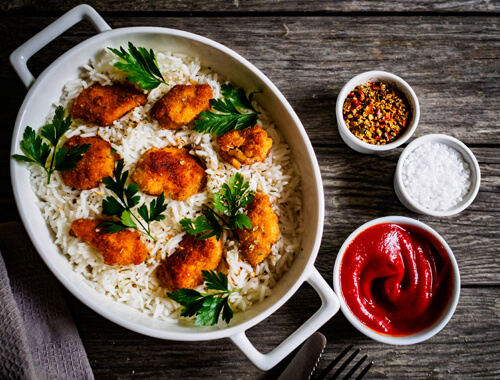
column 365, row 371
column 345, row 364
column 355, row 367
column 330, row 366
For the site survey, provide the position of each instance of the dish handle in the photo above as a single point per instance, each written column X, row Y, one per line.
column 19, row 58
column 329, row 306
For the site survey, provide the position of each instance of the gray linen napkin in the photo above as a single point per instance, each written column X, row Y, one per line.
column 38, row 338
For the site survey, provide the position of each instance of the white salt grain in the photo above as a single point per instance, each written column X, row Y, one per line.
column 436, row 176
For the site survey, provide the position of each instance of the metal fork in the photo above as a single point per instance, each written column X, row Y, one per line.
column 341, row 368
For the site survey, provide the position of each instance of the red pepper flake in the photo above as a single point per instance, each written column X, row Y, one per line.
column 355, row 104
column 376, row 113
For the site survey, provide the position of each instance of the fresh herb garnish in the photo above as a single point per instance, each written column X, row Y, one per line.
column 230, row 116
column 207, row 225
column 142, row 66
column 232, row 197
column 128, row 199
column 206, row 307
column 38, row 152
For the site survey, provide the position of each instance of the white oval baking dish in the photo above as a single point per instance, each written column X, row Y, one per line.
column 46, row 89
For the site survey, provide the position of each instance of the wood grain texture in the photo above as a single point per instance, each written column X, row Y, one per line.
column 243, row 6
column 359, row 188
column 468, row 347
column 452, row 64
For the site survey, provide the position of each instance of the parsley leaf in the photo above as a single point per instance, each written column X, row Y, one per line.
column 38, row 152
column 240, row 221
column 142, row 66
column 190, row 299
column 111, row 207
column 112, row 227
column 227, row 312
column 55, row 130
column 126, row 219
column 215, row 281
column 68, row 160
column 232, row 197
column 156, row 209
column 238, row 97
column 207, row 225
column 126, row 199
column 117, row 183
column 35, row 151
column 208, row 315
column 130, row 195
column 206, row 307
column 229, row 114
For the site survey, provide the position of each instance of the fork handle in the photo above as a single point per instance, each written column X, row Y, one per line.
column 329, row 306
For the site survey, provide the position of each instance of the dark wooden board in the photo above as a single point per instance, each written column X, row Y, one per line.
column 350, row 178
column 469, row 346
column 359, row 188
column 242, row 6
column 451, row 62
column 448, row 51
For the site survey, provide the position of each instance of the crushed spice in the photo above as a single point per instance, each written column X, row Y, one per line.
column 376, row 112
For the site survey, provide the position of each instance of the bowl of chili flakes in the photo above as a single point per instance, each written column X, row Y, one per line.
column 376, row 111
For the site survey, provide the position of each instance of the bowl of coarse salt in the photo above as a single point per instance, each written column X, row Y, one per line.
column 437, row 175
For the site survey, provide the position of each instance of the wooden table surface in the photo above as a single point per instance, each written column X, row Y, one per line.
column 447, row 50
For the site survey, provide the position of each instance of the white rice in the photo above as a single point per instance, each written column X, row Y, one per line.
column 131, row 136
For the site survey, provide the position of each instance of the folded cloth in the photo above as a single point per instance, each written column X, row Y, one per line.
column 38, row 338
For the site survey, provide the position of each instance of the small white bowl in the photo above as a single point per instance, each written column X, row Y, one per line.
column 408, row 339
column 376, row 76
column 468, row 156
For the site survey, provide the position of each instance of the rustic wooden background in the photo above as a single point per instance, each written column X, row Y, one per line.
column 449, row 53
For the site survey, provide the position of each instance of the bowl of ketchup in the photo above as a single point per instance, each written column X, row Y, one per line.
column 398, row 281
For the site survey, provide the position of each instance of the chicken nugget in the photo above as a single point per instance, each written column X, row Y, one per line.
column 245, row 147
column 96, row 164
column 170, row 170
column 256, row 243
column 183, row 268
column 104, row 104
column 121, row 248
column 182, row 104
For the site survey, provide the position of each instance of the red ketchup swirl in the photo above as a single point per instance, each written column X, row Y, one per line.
column 396, row 279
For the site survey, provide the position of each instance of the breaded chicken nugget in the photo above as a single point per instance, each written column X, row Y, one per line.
column 97, row 163
column 170, row 170
column 245, row 147
column 121, row 248
column 182, row 104
column 104, row 104
column 256, row 243
column 183, row 268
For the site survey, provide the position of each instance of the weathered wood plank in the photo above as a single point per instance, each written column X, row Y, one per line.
column 359, row 188
column 240, row 6
column 469, row 346
column 451, row 62
column 348, row 176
